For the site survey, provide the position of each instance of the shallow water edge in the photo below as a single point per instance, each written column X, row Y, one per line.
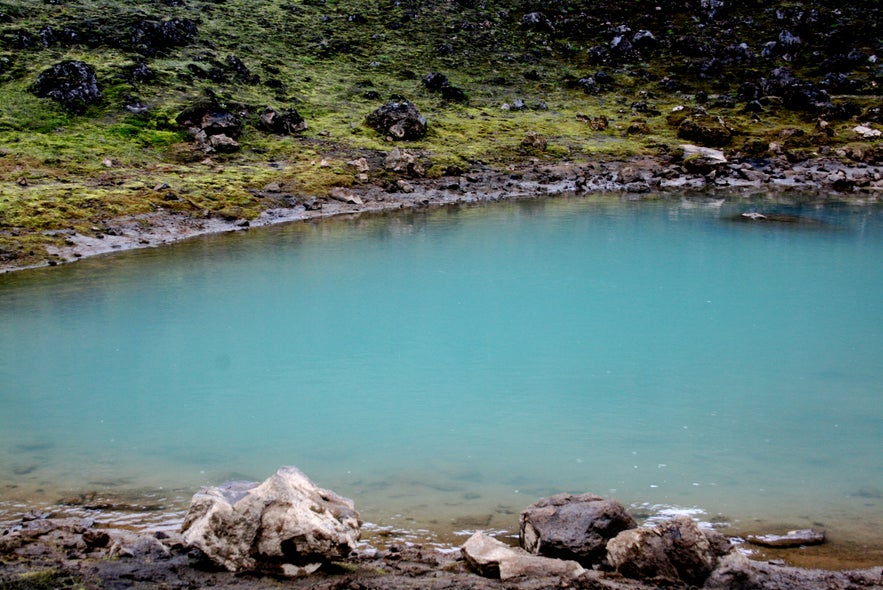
column 149, row 511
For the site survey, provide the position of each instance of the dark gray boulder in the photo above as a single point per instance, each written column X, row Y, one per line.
column 675, row 551
column 398, row 119
column 282, row 122
column 569, row 526
column 71, row 83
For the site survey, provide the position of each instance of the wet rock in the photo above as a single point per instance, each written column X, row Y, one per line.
column 399, row 120
column 283, row 122
column 285, row 525
column 789, row 539
column 676, row 551
column 568, row 526
column 71, row 83
column 494, row 559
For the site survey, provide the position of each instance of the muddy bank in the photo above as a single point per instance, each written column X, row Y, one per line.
column 44, row 552
column 697, row 172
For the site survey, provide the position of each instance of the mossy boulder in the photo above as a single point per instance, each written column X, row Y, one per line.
column 71, row 83
column 707, row 131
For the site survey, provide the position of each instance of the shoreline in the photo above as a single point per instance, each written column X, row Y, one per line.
column 634, row 180
column 161, row 512
column 60, row 549
column 645, row 178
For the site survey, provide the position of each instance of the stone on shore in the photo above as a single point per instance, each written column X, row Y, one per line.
column 285, row 525
column 569, row 526
column 676, row 551
column 494, row 559
column 702, row 160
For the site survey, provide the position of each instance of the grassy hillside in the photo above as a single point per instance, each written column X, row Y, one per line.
column 557, row 65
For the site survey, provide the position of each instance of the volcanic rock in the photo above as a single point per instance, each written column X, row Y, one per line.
column 71, row 83
column 400, row 120
column 676, row 551
column 570, row 526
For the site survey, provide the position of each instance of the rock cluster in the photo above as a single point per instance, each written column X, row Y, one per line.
column 214, row 127
column 286, row 525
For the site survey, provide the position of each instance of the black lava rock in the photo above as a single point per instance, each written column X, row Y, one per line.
column 284, row 122
column 399, row 120
column 71, row 83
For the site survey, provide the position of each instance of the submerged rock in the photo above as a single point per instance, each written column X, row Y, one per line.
column 285, row 525
column 789, row 539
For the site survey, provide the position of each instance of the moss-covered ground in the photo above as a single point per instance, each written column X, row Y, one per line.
column 337, row 60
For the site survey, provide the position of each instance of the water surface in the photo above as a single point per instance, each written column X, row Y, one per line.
column 447, row 368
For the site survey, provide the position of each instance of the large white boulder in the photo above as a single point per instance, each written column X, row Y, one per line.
column 285, row 525
column 492, row 558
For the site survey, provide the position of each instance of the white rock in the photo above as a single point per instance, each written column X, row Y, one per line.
column 344, row 196
column 285, row 525
column 492, row 558
column 867, row 132
column 709, row 155
column 361, row 165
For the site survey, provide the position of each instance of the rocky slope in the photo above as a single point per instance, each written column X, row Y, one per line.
column 193, row 107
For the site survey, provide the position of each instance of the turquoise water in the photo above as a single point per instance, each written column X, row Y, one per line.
column 447, row 368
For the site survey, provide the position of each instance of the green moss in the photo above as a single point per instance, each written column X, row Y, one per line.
column 335, row 62
column 45, row 579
